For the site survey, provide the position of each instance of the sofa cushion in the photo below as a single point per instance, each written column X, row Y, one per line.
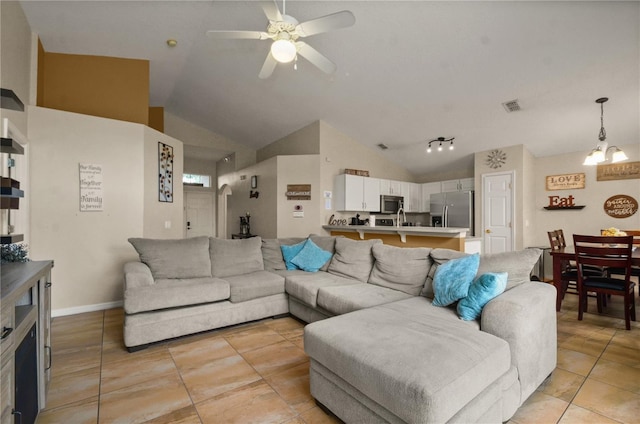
column 481, row 291
column 419, row 362
column 254, row 285
column 175, row 258
column 518, row 264
column 400, row 268
column 327, row 243
column 353, row 259
column 344, row 299
column 272, row 253
column 304, row 286
column 311, row 258
column 453, row 278
column 175, row 292
column 438, row 256
column 235, row 257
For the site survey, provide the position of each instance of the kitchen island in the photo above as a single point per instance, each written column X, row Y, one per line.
column 448, row 238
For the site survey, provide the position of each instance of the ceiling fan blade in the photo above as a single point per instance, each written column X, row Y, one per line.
column 316, row 58
column 326, row 23
column 271, row 10
column 252, row 35
column 268, row 67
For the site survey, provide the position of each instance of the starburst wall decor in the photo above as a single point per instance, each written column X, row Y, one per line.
column 165, row 173
column 496, row 159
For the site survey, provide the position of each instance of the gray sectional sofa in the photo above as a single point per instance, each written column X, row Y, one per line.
column 380, row 351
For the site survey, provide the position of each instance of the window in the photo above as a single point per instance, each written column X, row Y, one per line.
column 196, row 180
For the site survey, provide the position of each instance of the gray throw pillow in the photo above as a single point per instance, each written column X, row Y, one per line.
column 272, row 254
column 175, row 258
column 353, row 259
column 517, row 264
column 438, row 256
column 400, row 268
column 235, row 257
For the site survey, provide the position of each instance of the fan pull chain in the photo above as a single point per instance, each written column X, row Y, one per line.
column 295, row 63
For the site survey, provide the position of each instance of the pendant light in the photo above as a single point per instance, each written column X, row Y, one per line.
column 599, row 154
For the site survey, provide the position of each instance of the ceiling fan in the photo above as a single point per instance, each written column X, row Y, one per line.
column 285, row 32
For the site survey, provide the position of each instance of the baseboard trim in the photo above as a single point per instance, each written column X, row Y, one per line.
column 85, row 308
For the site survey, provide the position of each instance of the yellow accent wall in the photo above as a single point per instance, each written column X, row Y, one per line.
column 108, row 87
column 156, row 118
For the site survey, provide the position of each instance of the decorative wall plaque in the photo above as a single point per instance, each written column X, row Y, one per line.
column 618, row 171
column 90, row 187
column 565, row 181
column 298, row 192
column 620, row 206
column 165, row 173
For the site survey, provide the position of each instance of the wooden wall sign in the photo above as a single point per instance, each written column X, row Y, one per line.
column 618, row 171
column 565, row 181
column 298, row 192
column 562, row 203
column 620, row 206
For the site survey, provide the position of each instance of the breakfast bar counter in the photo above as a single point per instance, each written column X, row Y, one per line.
column 449, row 238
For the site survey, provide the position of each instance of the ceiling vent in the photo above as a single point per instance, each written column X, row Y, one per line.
column 383, row 146
column 511, row 106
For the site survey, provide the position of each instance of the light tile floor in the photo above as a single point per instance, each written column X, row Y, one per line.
column 258, row 373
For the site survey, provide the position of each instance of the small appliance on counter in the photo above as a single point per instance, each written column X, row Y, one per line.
column 384, row 222
column 357, row 221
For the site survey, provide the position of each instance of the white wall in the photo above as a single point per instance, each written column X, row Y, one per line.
column 302, row 169
column 305, row 141
column 90, row 248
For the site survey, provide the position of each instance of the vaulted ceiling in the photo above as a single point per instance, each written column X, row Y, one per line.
column 408, row 71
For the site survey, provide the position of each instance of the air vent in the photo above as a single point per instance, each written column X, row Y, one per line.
column 511, row 106
column 383, row 146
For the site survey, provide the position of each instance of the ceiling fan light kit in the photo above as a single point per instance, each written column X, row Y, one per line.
column 599, row 153
column 284, row 31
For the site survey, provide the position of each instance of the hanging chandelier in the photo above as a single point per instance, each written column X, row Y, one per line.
column 599, row 154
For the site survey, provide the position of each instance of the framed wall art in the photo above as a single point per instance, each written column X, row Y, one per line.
column 165, row 173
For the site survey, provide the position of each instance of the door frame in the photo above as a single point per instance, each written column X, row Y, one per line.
column 512, row 199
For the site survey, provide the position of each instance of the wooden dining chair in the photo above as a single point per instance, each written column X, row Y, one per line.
column 635, row 270
column 609, row 252
column 569, row 269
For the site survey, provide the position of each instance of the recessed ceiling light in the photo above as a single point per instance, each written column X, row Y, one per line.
column 171, row 42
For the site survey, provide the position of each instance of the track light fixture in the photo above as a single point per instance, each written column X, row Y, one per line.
column 441, row 140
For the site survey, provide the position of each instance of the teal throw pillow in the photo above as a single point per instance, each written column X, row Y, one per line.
column 311, row 258
column 482, row 290
column 453, row 278
column 290, row 252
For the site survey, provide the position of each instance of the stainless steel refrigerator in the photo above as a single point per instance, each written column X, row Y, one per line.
column 453, row 209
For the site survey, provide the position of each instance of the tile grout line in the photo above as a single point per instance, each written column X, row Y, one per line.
column 184, row 384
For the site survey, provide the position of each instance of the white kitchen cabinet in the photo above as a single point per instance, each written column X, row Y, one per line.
column 391, row 187
column 427, row 190
column 463, row 184
column 412, row 194
column 356, row 193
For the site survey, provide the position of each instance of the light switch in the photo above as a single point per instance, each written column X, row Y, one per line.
column 167, row 225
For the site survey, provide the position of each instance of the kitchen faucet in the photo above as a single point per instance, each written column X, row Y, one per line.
column 404, row 217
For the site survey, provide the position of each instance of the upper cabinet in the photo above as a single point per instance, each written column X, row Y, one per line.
column 412, row 194
column 391, row 187
column 427, row 190
column 463, row 184
column 356, row 193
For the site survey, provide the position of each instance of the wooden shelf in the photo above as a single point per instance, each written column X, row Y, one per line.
column 562, row 208
column 9, row 100
column 9, row 145
column 11, row 238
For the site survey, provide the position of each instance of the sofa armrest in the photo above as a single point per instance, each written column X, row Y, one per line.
column 136, row 275
column 525, row 316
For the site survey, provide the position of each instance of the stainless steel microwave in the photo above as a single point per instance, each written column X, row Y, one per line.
column 390, row 204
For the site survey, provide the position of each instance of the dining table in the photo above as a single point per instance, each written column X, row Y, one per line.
column 563, row 254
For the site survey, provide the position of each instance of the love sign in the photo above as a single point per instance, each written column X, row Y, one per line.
column 565, row 181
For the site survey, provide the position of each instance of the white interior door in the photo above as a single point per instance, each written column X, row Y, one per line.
column 199, row 213
column 497, row 212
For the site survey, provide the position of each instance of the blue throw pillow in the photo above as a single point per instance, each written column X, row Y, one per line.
column 453, row 278
column 311, row 257
column 482, row 290
column 290, row 252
